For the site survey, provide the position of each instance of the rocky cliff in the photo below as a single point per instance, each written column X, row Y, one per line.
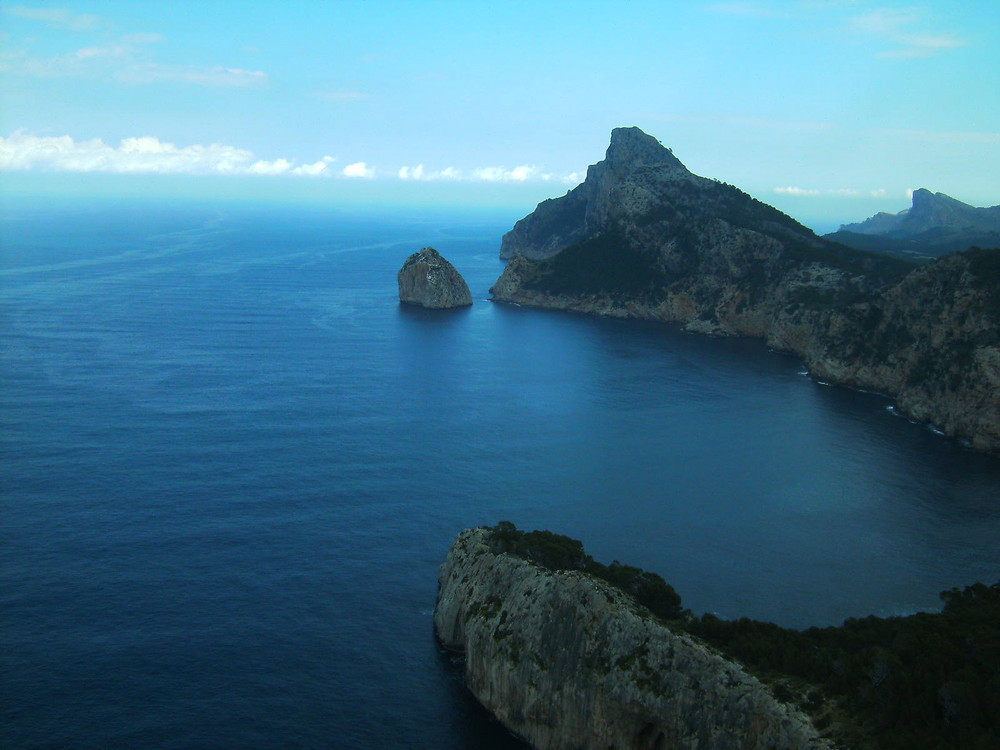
column 565, row 660
column 936, row 224
column 643, row 237
column 428, row 280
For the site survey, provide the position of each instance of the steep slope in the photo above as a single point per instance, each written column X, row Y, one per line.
column 660, row 243
column 567, row 661
column 935, row 225
column 927, row 679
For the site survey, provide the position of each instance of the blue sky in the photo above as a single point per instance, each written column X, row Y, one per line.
column 828, row 109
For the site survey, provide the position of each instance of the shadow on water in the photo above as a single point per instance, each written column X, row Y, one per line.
column 474, row 726
column 429, row 316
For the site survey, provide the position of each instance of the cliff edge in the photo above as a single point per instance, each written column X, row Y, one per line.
column 565, row 660
column 643, row 237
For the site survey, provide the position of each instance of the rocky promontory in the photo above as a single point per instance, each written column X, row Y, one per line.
column 643, row 237
column 429, row 280
column 565, row 660
column 570, row 653
column 935, row 224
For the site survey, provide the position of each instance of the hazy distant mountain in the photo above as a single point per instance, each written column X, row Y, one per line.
column 643, row 237
column 935, row 225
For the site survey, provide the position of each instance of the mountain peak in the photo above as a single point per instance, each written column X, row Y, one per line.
column 936, row 222
column 631, row 147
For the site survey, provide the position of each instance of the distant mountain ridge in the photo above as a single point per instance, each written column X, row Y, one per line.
column 643, row 237
column 935, row 224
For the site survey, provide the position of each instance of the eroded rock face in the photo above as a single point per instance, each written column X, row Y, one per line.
column 566, row 661
column 428, row 280
column 586, row 209
column 645, row 238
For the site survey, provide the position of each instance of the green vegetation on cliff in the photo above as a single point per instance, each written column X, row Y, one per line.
column 928, row 680
column 558, row 552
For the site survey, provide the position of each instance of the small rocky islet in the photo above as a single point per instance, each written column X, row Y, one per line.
column 428, row 280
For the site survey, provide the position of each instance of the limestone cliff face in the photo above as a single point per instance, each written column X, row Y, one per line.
column 659, row 243
column 566, row 661
column 428, row 280
column 609, row 188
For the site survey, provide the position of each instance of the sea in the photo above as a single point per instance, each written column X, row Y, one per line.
column 232, row 464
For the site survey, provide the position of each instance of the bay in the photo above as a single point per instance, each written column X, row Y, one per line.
column 232, row 463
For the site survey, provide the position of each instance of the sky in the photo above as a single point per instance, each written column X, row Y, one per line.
column 828, row 109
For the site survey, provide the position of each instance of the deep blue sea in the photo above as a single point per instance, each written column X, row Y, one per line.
column 232, row 464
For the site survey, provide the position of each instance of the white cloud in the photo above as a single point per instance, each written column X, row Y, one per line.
column 523, row 173
column 419, row 173
column 885, row 21
column 72, row 63
column 895, row 26
column 218, row 76
column 316, row 168
column 149, row 155
column 124, row 61
column 840, row 192
column 278, row 166
column 358, row 169
column 411, row 173
column 141, row 155
column 795, row 191
column 899, row 27
column 501, row 174
column 90, row 52
column 60, row 18
column 924, row 46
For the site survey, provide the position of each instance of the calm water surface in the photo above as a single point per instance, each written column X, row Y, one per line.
column 232, row 464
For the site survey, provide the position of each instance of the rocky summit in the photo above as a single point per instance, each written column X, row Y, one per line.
column 643, row 237
column 428, row 280
column 936, row 224
column 565, row 660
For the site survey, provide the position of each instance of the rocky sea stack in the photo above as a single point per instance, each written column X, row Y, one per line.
column 643, row 237
column 565, row 660
column 428, row 280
